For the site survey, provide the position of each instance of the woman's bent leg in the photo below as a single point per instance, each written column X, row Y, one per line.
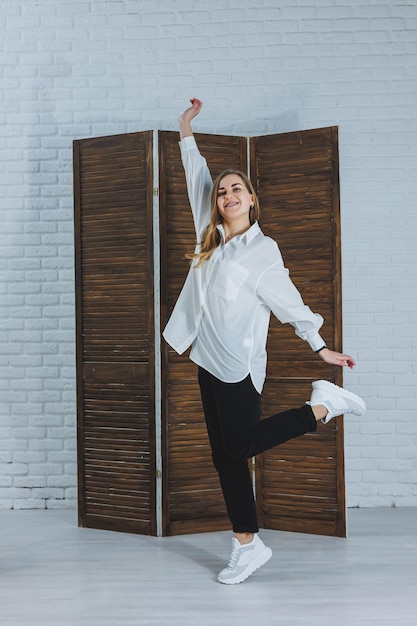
column 243, row 433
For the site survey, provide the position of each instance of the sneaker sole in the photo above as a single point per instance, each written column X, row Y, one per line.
column 323, row 384
column 252, row 567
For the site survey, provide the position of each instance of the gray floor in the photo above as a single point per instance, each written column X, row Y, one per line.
column 55, row 574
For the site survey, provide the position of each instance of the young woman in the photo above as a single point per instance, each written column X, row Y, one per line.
column 237, row 278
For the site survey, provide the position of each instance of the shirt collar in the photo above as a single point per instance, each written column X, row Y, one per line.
column 247, row 236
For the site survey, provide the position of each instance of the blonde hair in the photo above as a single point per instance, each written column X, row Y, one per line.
column 211, row 237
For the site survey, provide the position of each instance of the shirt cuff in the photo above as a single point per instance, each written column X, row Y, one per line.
column 188, row 143
column 316, row 342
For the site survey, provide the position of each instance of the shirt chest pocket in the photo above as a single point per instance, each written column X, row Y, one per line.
column 229, row 279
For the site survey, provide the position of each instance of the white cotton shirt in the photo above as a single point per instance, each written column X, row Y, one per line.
column 224, row 308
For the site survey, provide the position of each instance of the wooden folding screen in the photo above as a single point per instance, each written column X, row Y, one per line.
column 115, row 332
column 300, row 486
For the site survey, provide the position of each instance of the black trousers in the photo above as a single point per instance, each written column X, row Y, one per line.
column 236, row 432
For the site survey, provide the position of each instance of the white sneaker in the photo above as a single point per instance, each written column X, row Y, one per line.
column 245, row 559
column 337, row 400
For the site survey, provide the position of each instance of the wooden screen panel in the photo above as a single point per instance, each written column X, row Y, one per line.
column 300, row 485
column 115, row 332
column 192, row 499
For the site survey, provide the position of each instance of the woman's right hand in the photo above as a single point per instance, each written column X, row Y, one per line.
column 189, row 114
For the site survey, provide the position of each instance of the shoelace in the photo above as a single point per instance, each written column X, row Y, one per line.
column 233, row 557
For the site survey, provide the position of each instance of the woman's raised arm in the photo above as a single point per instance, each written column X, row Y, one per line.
column 185, row 119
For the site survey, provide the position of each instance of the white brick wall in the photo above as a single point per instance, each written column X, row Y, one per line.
column 79, row 69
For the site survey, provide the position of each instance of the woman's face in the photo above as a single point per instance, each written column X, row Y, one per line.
column 233, row 199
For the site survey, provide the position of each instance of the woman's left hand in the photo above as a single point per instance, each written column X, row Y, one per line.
column 337, row 358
